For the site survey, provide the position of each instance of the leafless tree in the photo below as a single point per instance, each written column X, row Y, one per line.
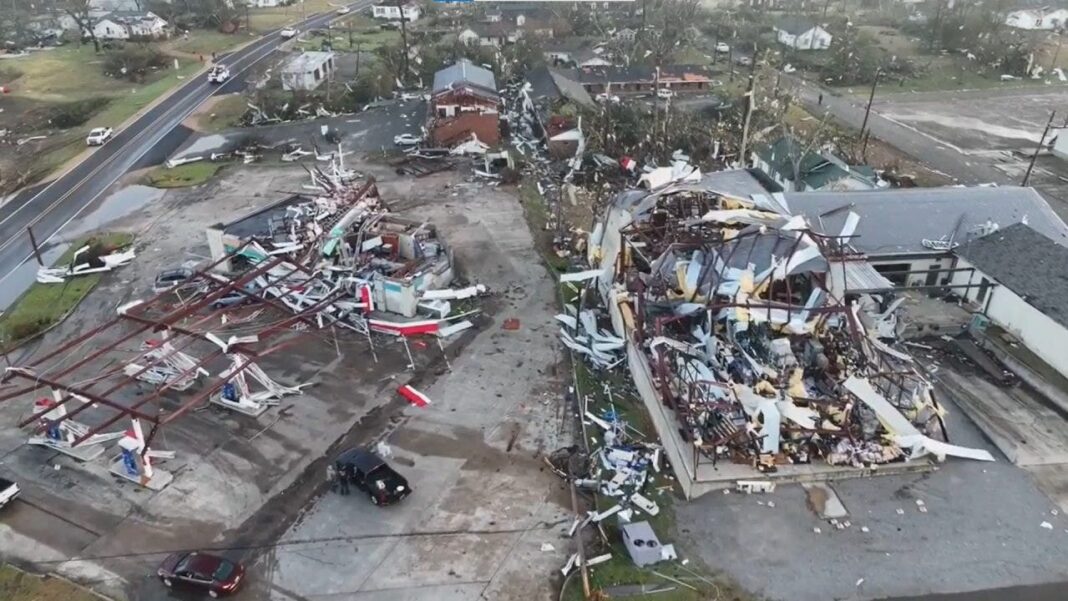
column 79, row 12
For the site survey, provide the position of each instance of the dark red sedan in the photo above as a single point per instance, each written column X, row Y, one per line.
column 217, row 575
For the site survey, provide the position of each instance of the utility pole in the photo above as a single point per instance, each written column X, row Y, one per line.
column 751, row 102
column 867, row 112
column 1057, row 53
column 33, row 243
column 404, row 38
column 1041, row 141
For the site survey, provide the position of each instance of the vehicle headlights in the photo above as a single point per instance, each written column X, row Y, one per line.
column 400, row 489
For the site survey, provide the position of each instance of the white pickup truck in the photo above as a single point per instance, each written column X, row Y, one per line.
column 8, row 491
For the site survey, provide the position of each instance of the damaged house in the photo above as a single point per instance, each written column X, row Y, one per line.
column 757, row 342
column 464, row 102
column 553, row 101
column 820, row 170
column 641, row 79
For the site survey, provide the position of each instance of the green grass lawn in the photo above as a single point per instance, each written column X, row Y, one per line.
column 44, row 305
column 224, row 113
column 262, row 20
column 16, row 585
column 203, row 41
column 183, row 176
column 366, row 42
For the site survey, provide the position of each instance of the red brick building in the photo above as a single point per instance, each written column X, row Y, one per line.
column 464, row 101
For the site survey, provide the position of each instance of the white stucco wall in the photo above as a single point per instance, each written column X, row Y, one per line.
column 1045, row 337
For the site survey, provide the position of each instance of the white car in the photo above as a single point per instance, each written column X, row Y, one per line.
column 723, row 47
column 344, row 10
column 664, row 93
column 604, row 97
column 98, row 135
column 407, row 140
column 287, row 33
column 218, row 74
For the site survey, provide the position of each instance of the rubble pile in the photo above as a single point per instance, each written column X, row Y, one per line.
column 751, row 334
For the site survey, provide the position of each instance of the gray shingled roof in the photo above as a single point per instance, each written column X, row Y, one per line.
column 1026, row 262
column 897, row 221
column 464, row 72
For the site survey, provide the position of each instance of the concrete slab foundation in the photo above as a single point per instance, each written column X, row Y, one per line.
column 81, row 453
column 159, row 480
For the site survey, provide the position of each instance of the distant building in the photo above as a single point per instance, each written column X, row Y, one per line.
column 122, row 25
column 641, row 79
column 802, row 34
column 411, row 11
column 575, row 53
column 266, row 3
column 818, row 170
column 307, row 71
column 626, row 34
column 1038, row 18
column 464, row 102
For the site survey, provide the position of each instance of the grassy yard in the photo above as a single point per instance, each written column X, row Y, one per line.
column 262, row 20
column 16, row 585
column 204, row 42
column 223, row 113
column 183, row 176
column 44, row 305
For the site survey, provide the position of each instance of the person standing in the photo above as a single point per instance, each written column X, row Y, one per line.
column 343, row 476
column 331, row 477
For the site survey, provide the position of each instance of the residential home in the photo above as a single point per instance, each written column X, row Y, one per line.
column 463, row 102
column 1015, row 277
column 266, row 3
column 575, row 52
column 818, row 170
column 641, row 79
column 493, row 16
column 130, row 6
column 910, row 234
column 122, row 25
column 489, row 34
column 307, row 70
column 385, row 10
column 552, row 99
column 1046, row 18
column 626, row 34
column 802, row 34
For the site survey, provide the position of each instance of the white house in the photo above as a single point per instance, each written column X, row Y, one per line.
column 909, row 234
column 1018, row 279
column 266, row 3
column 307, row 70
column 124, row 26
column 802, row 34
column 393, row 12
column 1038, row 18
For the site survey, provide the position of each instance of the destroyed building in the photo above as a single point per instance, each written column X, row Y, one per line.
column 398, row 259
column 748, row 342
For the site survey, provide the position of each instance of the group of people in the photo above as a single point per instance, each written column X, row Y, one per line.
column 339, row 477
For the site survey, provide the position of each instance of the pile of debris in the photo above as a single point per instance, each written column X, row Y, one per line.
column 763, row 335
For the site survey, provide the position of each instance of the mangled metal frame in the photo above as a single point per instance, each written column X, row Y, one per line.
column 725, row 294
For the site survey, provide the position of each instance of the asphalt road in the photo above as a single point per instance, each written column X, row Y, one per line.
column 62, row 201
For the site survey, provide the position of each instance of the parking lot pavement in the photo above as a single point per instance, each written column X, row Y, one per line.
column 483, row 501
column 366, row 131
column 982, row 529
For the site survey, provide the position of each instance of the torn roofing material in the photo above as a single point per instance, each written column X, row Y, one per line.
column 1026, row 262
column 898, row 221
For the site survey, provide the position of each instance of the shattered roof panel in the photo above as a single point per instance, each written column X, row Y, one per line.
column 464, row 72
column 1026, row 262
column 897, row 221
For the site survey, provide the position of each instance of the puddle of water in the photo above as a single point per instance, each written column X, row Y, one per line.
column 206, row 144
column 114, row 206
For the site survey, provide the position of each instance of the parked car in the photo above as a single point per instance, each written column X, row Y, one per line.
column 231, row 298
column 407, row 140
column 288, row 32
column 344, row 10
column 369, row 473
column 723, row 47
column 604, row 97
column 218, row 74
column 171, row 278
column 664, row 93
column 744, row 61
column 8, row 491
column 98, row 136
column 218, row 575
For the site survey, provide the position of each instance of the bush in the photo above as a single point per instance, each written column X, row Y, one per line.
column 61, row 116
column 133, row 62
